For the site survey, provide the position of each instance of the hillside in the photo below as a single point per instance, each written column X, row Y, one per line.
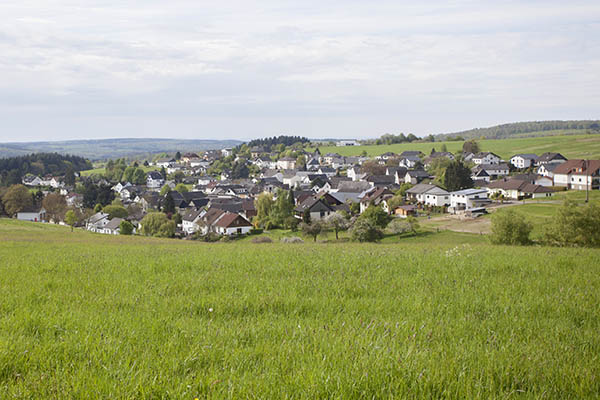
column 113, row 148
column 95, row 316
column 527, row 129
column 575, row 146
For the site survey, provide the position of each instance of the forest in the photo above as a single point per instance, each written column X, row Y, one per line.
column 507, row 130
column 12, row 170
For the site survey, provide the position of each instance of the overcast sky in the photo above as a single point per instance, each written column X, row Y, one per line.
column 76, row 69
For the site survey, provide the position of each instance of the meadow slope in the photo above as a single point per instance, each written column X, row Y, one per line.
column 91, row 316
column 571, row 146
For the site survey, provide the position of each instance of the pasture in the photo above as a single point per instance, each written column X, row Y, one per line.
column 571, row 146
column 91, row 316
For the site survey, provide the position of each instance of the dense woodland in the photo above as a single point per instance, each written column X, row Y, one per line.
column 507, row 130
column 12, row 170
column 275, row 140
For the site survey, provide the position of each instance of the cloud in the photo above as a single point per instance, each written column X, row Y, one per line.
column 312, row 68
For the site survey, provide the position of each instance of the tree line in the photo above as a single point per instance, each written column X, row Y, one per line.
column 12, row 170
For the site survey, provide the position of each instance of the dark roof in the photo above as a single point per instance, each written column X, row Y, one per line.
column 547, row 157
column 154, row 175
column 418, row 173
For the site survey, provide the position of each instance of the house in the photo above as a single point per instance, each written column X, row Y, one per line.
column 232, row 224
column 485, row 157
column 494, row 171
column 227, row 152
column 154, row 180
column 189, row 157
column 316, row 207
column 535, row 179
column 327, row 171
column 164, row 162
column 191, row 220
column 256, row 151
column 438, row 154
column 32, row 180
column 578, row 174
column 409, row 161
column 405, row 210
column 429, row 194
column 480, row 176
column 112, row 227
column 355, row 174
column 522, row 161
column 330, row 157
column 343, row 143
column 286, row 163
column 352, row 191
column 32, row 214
column 74, row 199
column 377, row 196
column 517, row 189
column 547, row 170
column 416, row 176
column 97, row 222
column 412, row 153
column 551, row 158
column 381, row 180
column 468, row 199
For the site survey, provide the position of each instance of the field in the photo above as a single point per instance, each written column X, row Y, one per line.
column 100, row 170
column 572, row 146
column 91, row 316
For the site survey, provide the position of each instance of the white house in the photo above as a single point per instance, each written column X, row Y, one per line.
column 468, row 199
column 154, row 180
column 485, row 157
column 342, row 143
column 97, row 222
column 32, row 180
column 493, row 171
column 547, row 170
column 578, row 174
column 32, row 215
column 232, row 224
column 227, row 152
column 286, row 163
column 112, row 227
column 522, row 161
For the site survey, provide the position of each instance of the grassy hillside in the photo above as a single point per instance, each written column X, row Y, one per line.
column 575, row 146
column 524, row 129
column 91, row 316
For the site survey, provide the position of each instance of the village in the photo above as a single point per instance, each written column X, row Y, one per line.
column 216, row 192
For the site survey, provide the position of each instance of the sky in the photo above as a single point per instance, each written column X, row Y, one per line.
column 77, row 69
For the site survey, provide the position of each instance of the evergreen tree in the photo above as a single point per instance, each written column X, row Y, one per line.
column 457, row 177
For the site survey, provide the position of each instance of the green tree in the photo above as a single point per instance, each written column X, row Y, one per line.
column 116, row 211
column 574, row 225
column 337, row 222
column 282, row 208
column 376, row 215
column 70, row 176
column 264, row 205
column 365, row 230
column 444, row 148
column 128, row 174
column 312, row 229
column 168, row 205
column 55, row 206
column 157, row 224
column 16, row 199
column 403, row 225
column 70, row 219
column 403, row 188
column 471, row 146
column 164, row 190
column 457, row 177
column 125, row 228
column 139, row 176
column 98, row 207
column 181, row 188
column 510, row 227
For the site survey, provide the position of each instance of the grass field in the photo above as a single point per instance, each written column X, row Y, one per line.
column 573, row 146
column 101, row 170
column 92, row 316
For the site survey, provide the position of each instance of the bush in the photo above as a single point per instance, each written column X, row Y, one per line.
column 211, row 237
column 575, row 226
column 510, row 227
column 125, row 228
column 365, row 230
column 292, row 239
column 262, row 239
column 255, row 231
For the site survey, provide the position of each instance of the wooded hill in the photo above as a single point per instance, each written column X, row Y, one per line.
column 526, row 129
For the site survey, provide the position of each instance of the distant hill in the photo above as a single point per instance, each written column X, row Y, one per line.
column 526, row 129
column 113, row 148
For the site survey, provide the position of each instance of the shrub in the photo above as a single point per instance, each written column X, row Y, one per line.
column 125, row 228
column 365, row 230
column 211, row 237
column 575, row 225
column 292, row 239
column 510, row 227
column 313, row 229
column 157, row 224
column 262, row 239
column 255, row 231
column 376, row 215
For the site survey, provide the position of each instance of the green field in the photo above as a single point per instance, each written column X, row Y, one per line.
column 101, row 170
column 573, row 146
column 92, row 316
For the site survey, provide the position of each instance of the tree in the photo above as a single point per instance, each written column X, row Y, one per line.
column 168, row 205
column 372, row 168
column 312, row 229
column 17, row 198
column 471, row 146
column 457, row 177
column 98, row 208
column 402, row 225
column 306, row 217
column 337, row 222
column 240, row 170
column 364, row 230
column 70, row 219
column 125, row 228
column 178, row 156
column 70, row 176
column 510, row 227
column 55, row 206
column 264, row 205
column 157, row 224
column 164, row 190
column 395, row 202
column 444, row 149
column 128, row 174
column 139, row 176
column 574, row 225
column 376, row 215
column 163, row 172
column 282, row 208
column 115, row 211
column 181, row 188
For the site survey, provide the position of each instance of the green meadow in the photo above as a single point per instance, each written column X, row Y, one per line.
column 571, row 146
column 439, row 316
